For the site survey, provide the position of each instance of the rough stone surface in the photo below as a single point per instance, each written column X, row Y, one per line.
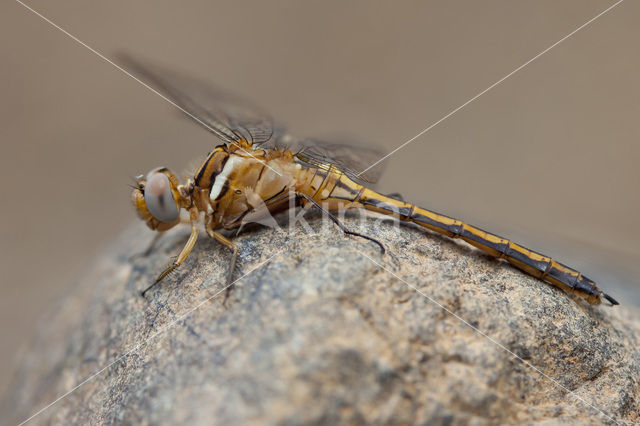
column 322, row 335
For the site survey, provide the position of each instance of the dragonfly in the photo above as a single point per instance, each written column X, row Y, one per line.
column 255, row 171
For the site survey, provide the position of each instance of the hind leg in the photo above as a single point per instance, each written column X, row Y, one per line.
column 340, row 225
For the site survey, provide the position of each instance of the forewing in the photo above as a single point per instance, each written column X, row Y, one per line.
column 232, row 119
column 350, row 159
column 228, row 117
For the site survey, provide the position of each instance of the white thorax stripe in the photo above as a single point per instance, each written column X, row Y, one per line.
column 221, row 179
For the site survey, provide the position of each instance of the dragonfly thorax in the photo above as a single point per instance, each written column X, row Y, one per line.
column 234, row 182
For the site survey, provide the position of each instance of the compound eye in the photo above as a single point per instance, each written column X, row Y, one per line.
column 159, row 199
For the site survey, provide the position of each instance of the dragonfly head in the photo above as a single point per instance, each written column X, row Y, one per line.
column 157, row 199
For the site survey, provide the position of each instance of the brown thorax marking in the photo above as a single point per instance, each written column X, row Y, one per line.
column 237, row 178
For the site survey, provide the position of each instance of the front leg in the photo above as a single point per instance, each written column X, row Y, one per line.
column 228, row 243
column 150, row 247
column 181, row 257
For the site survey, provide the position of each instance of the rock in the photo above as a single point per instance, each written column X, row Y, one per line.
column 320, row 334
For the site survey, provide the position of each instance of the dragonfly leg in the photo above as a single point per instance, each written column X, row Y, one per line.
column 340, row 225
column 181, row 257
column 154, row 241
column 234, row 258
column 149, row 248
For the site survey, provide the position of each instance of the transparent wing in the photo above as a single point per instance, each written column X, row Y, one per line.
column 350, row 159
column 228, row 117
column 232, row 119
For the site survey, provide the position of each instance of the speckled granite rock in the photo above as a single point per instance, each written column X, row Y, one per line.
column 321, row 335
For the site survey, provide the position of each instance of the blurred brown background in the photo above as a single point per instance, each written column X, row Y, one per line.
column 549, row 157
